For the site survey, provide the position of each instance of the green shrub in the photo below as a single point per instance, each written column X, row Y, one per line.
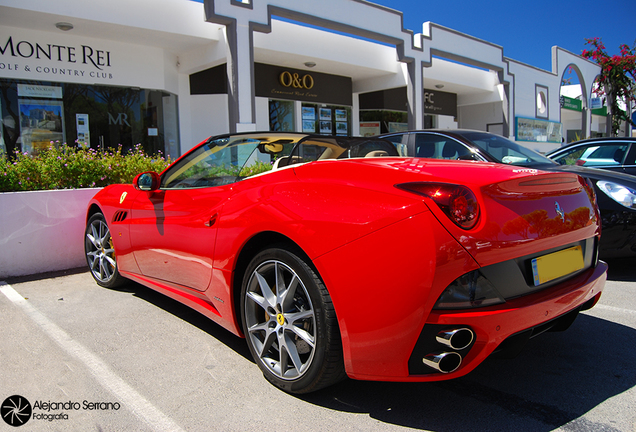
column 71, row 168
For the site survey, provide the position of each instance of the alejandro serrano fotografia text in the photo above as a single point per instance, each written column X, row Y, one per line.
column 70, row 405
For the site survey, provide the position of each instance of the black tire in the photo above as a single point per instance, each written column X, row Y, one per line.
column 100, row 253
column 290, row 325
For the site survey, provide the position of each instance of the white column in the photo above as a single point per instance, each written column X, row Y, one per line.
column 240, row 72
column 414, row 94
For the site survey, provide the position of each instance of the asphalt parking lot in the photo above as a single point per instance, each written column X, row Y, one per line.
column 93, row 359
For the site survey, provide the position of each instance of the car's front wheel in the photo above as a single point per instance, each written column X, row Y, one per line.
column 100, row 253
column 290, row 323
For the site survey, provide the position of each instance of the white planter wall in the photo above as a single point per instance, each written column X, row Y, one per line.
column 42, row 231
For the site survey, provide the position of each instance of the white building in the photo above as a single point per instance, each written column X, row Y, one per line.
column 169, row 73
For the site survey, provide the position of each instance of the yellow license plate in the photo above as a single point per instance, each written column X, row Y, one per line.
column 552, row 266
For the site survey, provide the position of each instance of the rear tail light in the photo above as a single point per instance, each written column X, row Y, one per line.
column 470, row 290
column 457, row 202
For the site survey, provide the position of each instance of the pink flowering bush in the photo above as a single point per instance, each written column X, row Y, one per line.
column 617, row 79
column 71, row 168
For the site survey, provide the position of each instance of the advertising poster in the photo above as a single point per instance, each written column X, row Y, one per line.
column 341, row 128
column 41, row 123
column 341, row 115
column 309, row 113
column 537, row 130
column 309, row 126
column 309, row 119
column 325, row 114
column 83, row 134
column 398, row 127
column 3, row 147
column 325, row 127
column 369, row 128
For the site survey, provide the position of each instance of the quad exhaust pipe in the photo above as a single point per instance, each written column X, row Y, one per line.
column 445, row 362
column 456, row 339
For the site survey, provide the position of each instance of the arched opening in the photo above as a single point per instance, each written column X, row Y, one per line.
column 574, row 105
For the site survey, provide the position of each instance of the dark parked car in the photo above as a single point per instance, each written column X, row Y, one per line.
column 615, row 154
column 615, row 191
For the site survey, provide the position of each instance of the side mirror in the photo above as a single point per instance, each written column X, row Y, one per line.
column 270, row 148
column 148, row 181
column 469, row 157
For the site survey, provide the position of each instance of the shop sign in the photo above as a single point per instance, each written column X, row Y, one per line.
column 571, row 104
column 278, row 82
column 600, row 111
column 536, row 130
column 289, row 80
column 40, row 91
column 33, row 56
column 438, row 102
column 596, row 102
column 39, row 60
column 65, row 54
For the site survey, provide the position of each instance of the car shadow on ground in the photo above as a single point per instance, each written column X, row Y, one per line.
column 556, row 379
column 189, row 315
column 621, row 270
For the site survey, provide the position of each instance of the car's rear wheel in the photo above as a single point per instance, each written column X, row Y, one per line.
column 100, row 253
column 290, row 323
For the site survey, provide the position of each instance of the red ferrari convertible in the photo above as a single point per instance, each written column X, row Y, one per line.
column 334, row 257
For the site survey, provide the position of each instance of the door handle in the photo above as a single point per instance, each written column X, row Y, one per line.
column 211, row 221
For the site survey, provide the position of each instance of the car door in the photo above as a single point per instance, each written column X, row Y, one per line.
column 629, row 164
column 608, row 155
column 174, row 230
column 174, row 234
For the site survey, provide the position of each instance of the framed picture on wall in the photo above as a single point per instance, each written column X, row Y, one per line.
column 309, row 113
column 41, row 123
column 309, row 126
column 341, row 115
column 341, row 128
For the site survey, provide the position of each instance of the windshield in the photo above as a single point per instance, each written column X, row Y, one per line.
column 506, row 151
column 218, row 162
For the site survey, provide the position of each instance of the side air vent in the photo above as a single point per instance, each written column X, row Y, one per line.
column 120, row 215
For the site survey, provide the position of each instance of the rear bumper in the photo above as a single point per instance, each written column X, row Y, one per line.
column 494, row 325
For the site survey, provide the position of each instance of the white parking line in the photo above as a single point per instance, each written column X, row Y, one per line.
column 614, row 309
column 145, row 410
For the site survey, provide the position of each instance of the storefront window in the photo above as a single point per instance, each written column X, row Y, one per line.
column 281, row 116
column 430, row 121
column 389, row 121
column 326, row 119
column 34, row 114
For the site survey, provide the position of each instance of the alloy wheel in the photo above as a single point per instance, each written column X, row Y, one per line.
column 100, row 252
column 280, row 320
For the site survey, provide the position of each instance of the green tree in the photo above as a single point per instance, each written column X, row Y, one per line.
column 616, row 82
